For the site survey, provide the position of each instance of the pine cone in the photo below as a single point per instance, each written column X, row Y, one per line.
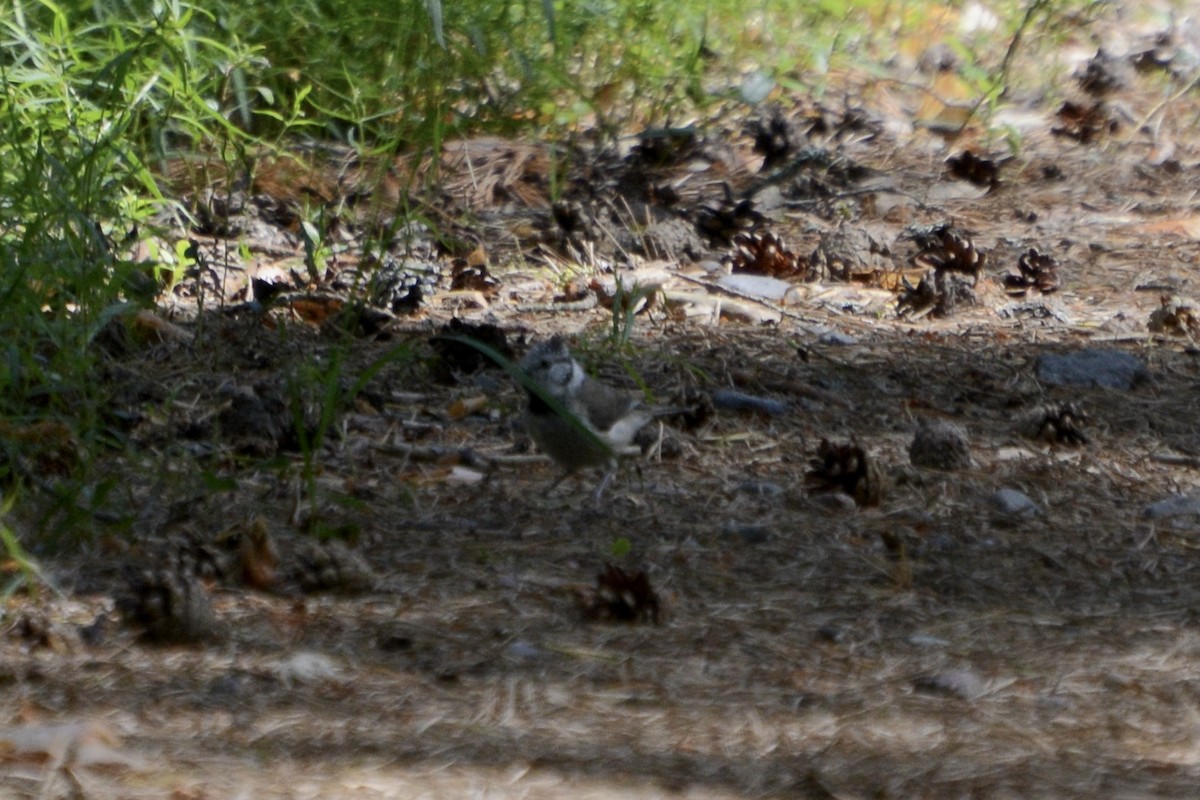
column 1175, row 315
column 766, row 254
column 846, row 468
column 971, row 167
column 775, row 136
column 621, row 596
column 946, row 248
column 917, row 301
column 330, row 566
column 1085, row 124
column 169, row 606
column 1037, row 271
column 1057, row 424
column 725, row 219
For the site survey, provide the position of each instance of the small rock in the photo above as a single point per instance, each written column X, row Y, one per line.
column 521, row 650
column 940, row 445
column 1181, row 505
column 1111, row 369
column 925, row 640
column 837, row 338
column 963, row 683
column 305, row 667
column 768, row 199
column 834, row 634
column 756, row 87
column 834, row 501
column 746, row 534
column 1013, row 503
column 760, row 488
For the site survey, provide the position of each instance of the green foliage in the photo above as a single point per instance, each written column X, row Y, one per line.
column 24, row 572
column 95, row 95
column 81, row 95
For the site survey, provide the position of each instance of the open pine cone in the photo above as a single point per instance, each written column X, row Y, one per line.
column 946, row 248
column 766, row 254
column 1036, row 271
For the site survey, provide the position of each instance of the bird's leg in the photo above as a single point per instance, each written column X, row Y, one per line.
column 600, row 487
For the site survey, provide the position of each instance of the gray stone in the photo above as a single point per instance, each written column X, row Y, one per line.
column 747, row 534
column 1112, row 369
column 1180, row 505
column 1014, row 503
column 963, row 683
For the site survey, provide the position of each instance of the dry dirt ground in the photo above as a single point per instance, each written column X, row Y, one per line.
column 936, row 644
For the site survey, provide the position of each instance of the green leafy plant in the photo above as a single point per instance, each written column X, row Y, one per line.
column 25, row 572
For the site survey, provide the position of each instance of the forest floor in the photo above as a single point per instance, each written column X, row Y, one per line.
column 393, row 605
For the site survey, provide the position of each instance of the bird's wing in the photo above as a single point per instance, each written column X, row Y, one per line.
column 603, row 406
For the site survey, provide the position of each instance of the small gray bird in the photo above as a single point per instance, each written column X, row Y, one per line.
column 612, row 415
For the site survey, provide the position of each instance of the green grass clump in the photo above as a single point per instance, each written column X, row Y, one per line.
column 96, row 95
column 82, row 98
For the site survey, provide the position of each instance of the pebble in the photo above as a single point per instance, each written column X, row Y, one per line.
column 1013, row 503
column 963, row 683
column 747, row 534
column 760, row 488
column 1180, row 505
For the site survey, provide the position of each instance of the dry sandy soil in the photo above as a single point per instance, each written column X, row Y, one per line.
column 935, row 644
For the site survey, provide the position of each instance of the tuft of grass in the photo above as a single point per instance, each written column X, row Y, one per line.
column 22, row 570
column 97, row 95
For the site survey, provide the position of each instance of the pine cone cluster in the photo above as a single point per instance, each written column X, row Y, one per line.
column 953, row 264
column 398, row 285
column 937, row 294
column 1036, row 272
column 916, row 301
